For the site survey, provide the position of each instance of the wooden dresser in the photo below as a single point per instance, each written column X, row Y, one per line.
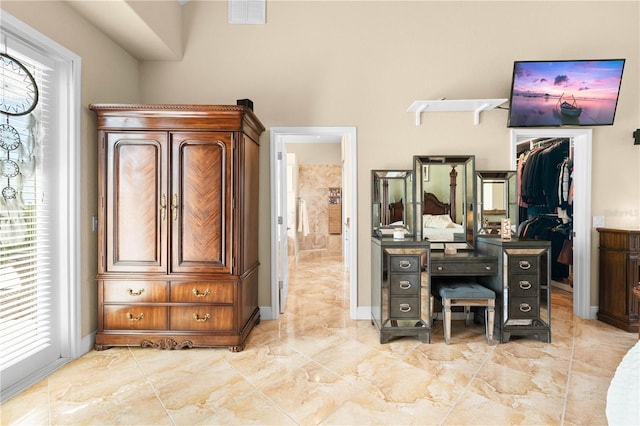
column 177, row 225
column 619, row 263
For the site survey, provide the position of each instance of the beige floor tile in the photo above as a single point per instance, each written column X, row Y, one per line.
column 315, row 365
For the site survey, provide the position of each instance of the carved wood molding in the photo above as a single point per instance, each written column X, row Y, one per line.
column 167, row 343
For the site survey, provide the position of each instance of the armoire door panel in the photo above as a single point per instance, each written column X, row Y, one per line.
column 250, row 155
column 201, row 190
column 135, row 196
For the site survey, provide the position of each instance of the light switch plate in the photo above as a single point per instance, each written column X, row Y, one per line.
column 598, row 221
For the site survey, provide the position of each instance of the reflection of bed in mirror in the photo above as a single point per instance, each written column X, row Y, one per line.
column 396, row 213
column 431, row 205
column 438, row 220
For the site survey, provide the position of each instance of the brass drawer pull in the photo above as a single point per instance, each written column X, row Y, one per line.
column 525, row 307
column 488, row 267
column 203, row 319
column 135, row 293
column 163, row 207
column 132, row 318
column 405, row 264
column 405, row 307
column 525, row 285
column 198, row 294
column 405, row 285
column 524, row 264
column 174, row 206
column 440, row 268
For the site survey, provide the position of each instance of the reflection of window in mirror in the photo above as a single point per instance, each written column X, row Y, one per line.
column 425, row 173
column 493, row 197
column 497, row 194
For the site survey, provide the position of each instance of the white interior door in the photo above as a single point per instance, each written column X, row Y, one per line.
column 282, row 224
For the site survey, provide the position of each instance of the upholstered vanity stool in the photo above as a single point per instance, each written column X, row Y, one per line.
column 467, row 294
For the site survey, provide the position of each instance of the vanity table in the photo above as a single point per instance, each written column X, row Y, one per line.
column 450, row 234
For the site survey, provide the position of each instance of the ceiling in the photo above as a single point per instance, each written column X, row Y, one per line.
column 147, row 30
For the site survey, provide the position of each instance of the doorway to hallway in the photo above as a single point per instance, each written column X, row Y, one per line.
column 290, row 213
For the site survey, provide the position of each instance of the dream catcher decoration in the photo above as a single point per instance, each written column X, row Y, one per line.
column 18, row 97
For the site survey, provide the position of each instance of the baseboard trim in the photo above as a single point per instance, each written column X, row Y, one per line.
column 87, row 343
column 266, row 313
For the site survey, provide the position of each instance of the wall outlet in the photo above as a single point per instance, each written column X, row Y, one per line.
column 598, row 221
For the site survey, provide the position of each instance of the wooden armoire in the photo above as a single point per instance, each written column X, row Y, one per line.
column 177, row 225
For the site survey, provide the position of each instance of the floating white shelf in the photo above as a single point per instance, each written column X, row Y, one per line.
column 446, row 105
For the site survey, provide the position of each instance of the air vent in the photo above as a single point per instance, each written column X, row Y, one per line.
column 247, row 11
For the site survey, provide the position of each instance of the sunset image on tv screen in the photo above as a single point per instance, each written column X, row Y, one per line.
column 565, row 93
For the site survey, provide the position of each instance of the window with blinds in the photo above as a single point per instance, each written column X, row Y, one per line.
column 26, row 292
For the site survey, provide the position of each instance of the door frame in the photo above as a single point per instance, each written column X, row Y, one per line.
column 582, row 153
column 278, row 137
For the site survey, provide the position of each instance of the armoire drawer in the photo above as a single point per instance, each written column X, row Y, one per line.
column 134, row 291
column 135, row 317
column 202, row 318
column 524, row 308
column 202, row 292
column 524, row 285
column 404, row 308
column 404, row 284
column 523, row 263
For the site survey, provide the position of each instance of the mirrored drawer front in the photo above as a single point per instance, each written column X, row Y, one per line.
column 524, row 307
column 523, row 264
column 464, row 268
column 405, row 263
column 524, row 285
column 405, row 284
column 134, row 291
column 135, row 317
column 404, row 307
column 202, row 292
column 202, row 318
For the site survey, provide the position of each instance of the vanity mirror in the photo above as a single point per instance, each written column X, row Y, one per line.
column 392, row 205
column 445, row 190
column 497, row 200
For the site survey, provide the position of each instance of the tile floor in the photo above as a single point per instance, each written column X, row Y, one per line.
column 317, row 366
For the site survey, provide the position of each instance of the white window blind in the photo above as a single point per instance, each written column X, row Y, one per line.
column 26, row 293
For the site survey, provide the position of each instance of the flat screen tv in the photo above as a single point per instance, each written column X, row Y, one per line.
column 565, row 93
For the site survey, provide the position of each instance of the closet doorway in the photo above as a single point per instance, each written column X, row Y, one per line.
column 284, row 224
column 580, row 140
